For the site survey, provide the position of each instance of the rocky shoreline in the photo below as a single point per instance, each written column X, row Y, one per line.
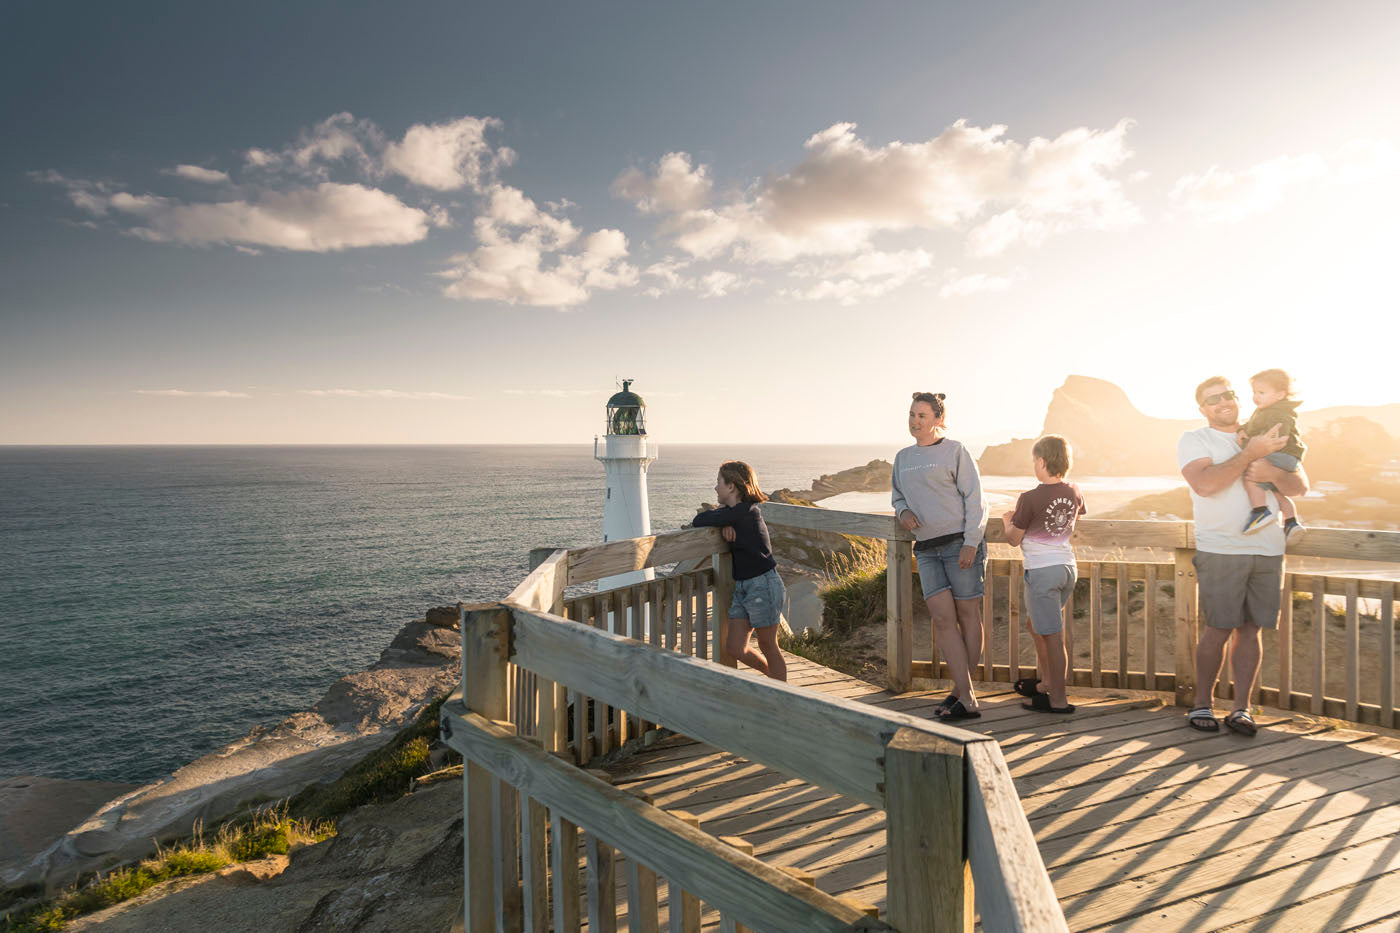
column 359, row 713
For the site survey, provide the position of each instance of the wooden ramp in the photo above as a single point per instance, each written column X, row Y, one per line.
column 1143, row 823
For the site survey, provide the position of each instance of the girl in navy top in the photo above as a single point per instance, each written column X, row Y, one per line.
column 758, row 590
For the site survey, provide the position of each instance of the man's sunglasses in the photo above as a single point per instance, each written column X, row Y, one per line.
column 1226, row 396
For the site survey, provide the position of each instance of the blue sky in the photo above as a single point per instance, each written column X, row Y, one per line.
column 460, row 224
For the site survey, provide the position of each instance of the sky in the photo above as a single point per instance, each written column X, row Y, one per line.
column 458, row 223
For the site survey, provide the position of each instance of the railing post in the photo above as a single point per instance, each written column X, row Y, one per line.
column 1185, row 585
column 723, row 564
column 485, row 651
column 899, row 613
column 929, row 886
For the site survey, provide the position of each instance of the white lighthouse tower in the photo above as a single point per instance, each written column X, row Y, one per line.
column 626, row 453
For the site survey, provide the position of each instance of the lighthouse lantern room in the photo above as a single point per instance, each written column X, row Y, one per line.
column 625, row 451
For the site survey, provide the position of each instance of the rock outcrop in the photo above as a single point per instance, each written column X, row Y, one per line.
column 873, row 477
column 359, row 713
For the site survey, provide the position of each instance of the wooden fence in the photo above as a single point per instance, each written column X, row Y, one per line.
column 954, row 825
column 1173, row 574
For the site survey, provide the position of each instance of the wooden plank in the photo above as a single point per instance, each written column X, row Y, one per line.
column 1149, row 622
column 988, row 610
column 485, row 648
column 543, row 588
column 640, row 601
column 622, row 608
column 605, row 560
column 753, row 892
column 706, row 702
column 564, row 858
column 930, row 890
column 1337, row 586
column 641, row 898
column 1319, row 682
column 704, row 595
column 688, row 614
column 1013, row 619
column 602, row 737
column 723, row 595
column 1120, row 592
column 899, row 613
column 1185, row 661
column 505, row 834
column 1348, row 544
column 1096, row 622
column 738, row 844
column 534, row 848
column 1387, row 671
column 686, row 918
column 1285, row 644
column 1352, row 659
column 813, row 518
column 602, row 885
column 1013, row 888
column 671, row 611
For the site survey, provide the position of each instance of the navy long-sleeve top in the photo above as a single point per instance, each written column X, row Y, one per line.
column 752, row 549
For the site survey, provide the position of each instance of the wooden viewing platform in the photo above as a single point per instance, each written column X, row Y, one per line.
column 831, row 804
column 1142, row 823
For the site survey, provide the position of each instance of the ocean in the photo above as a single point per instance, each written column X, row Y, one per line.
column 158, row 602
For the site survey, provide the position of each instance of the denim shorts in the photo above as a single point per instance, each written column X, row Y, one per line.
column 759, row 599
column 1047, row 591
column 1286, row 462
column 939, row 570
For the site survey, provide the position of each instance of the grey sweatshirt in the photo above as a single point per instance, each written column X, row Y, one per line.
column 940, row 484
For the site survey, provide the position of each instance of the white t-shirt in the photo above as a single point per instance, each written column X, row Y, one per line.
column 1220, row 518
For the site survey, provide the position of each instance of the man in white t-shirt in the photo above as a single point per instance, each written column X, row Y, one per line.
column 1238, row 575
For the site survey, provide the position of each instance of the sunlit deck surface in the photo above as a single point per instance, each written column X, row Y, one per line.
column 1143, row 823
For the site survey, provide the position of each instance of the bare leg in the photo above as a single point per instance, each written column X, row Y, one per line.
column 1058, row 664
column 1210, row 654
column 970, row 621
column 768, row 644
column 1286, row 508
column 1256, row 495
column 949, row 639
column 1042, row 661
column 1245, row 656
column 737, row 644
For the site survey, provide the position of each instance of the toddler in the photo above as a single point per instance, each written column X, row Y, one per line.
column 1274, row 404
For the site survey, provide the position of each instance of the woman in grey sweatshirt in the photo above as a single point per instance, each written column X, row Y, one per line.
column 937, row 496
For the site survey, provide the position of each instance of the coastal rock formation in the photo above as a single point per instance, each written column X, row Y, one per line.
column 359, row 713
column 1108, row 434
column 873, row 477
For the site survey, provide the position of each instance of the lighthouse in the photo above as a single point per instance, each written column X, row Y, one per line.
column 626, row 451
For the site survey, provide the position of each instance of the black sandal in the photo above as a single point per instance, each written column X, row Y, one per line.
column 957, row 711
column 1241, row 722
column 947, row 701
column 1202, row 719
column 1040, row 703
column 1026, row 686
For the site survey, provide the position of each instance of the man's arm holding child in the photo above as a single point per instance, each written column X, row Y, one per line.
column 1207, row 478
column 1288, row 484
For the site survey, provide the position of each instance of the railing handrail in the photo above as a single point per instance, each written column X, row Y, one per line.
column 1339, row 543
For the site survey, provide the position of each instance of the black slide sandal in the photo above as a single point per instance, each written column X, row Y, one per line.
column 1026, row 686
column 1040, row 703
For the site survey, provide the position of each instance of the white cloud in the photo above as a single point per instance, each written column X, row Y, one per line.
column 867, row 275
column 447, row 156
column 960, row 285
column 845, row 191
column 325, row 218
column 671, row 185
column 1221, row 196
column 385, row 394
column 198, row 173
column 338, row 138
column 191, row 393
column 521, row 258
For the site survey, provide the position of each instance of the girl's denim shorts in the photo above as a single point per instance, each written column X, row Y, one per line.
column 759, row 599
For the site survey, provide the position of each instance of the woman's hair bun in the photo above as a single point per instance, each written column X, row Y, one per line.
column 939, row 395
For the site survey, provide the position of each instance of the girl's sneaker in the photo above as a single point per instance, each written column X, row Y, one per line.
column 1258, row 518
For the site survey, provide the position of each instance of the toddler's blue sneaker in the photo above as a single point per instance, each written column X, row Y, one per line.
column 1258, row 518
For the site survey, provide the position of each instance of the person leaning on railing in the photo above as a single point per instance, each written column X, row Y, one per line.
column 1239, row 576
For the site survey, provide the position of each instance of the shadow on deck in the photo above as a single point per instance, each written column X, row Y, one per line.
column 1142, row 823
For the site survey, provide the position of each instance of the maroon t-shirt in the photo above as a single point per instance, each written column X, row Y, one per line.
column 1047, row 514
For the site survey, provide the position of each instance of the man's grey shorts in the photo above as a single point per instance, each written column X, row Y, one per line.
column 1047, row 591
column 1239, row 588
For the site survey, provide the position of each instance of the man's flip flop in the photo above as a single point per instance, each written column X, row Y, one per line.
column 1040, row 703
column 957, row 711
column 1203, row 719
column 1241, row 722
column 1026, row 686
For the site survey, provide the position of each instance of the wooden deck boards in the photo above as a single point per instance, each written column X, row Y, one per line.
column 1143, row 824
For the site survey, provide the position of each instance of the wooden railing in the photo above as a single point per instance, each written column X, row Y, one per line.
column 954, row 825
column 1113, row 630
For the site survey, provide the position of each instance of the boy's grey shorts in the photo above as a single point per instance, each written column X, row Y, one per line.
column 1047, row 591
column 1239, row 588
